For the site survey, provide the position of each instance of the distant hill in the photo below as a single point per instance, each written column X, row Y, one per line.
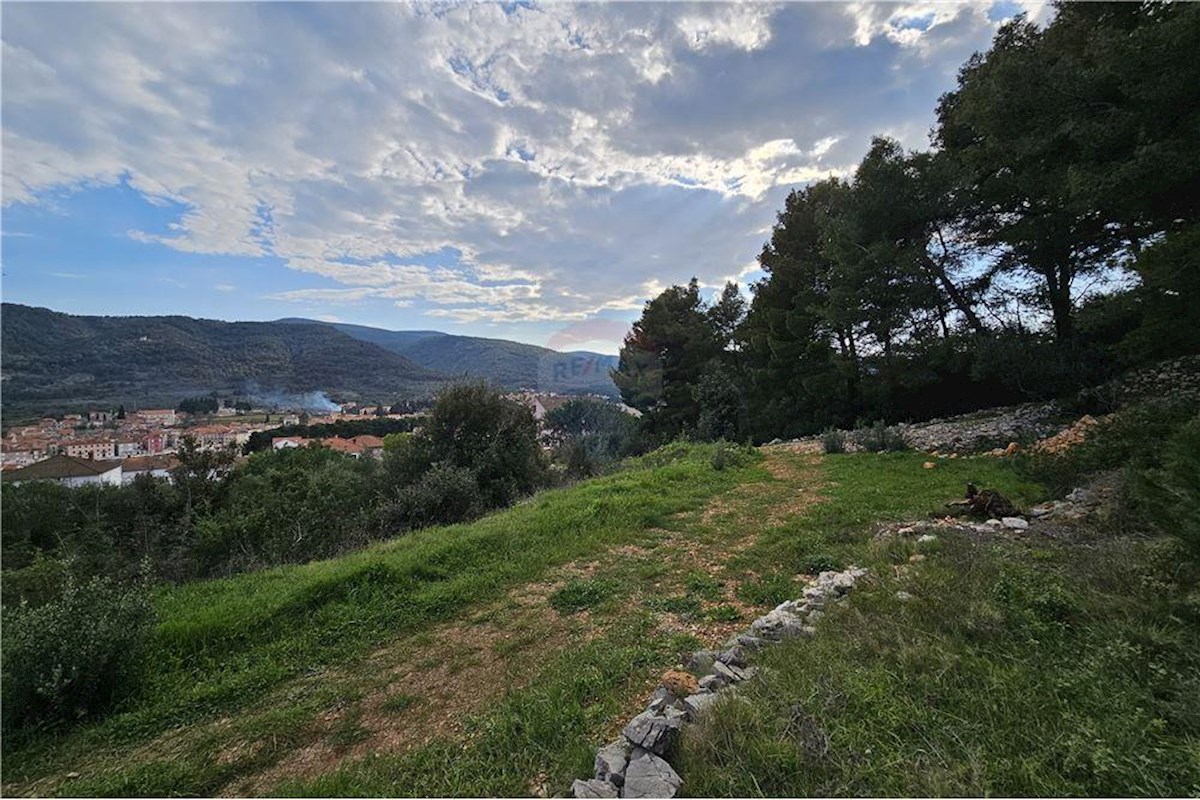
column 396, row 341
column 55, row 361
column 512, row 365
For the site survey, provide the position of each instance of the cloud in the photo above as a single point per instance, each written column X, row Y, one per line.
column 225, row 287
column 474, row 161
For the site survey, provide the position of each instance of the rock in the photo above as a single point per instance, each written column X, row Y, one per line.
column 929, row 465
column 650, row 776
column 995, row 523
column 713, row 683
column 814, row 615
column 679, row 683
column 696, row 703
column 751, row 642
column 611, row 761
column 1015, row 523
column 730, row 674
column 700, row 661
column 903, row 597
column 734, row 656
column 593, row 788
column 926, row 538
column 1042, row 510
column 654, row 732
column 915, row 558
column 662, row 699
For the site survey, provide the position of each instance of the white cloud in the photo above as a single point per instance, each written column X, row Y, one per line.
column 225, row 287
column 547, row 163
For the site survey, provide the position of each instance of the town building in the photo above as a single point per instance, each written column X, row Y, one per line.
column 69, row 471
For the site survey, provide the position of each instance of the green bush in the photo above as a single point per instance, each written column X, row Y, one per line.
column 880, row 438
column 444, row 495
column 833, row 441
column 74, row 656
column 1134, row 438
column 1170, row 494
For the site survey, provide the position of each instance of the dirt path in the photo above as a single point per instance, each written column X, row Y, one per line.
column 427, row 686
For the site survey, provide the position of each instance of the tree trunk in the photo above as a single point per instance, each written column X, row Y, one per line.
column 1058, row 284
column 952, row 291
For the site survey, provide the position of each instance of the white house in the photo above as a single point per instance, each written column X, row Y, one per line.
column 154, row 466
column 69, row 471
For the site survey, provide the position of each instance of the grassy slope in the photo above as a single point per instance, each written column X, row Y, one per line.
column 552, row 727
column 1020, row 668
column 225, row 644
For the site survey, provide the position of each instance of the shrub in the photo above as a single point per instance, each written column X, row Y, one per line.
column 444, row 495
column 880, row 438
column 75, row 656
column 833, row 441
column 1135, row 438
column 1171, row 494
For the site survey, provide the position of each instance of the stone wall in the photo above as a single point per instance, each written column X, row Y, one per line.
column 638, row 764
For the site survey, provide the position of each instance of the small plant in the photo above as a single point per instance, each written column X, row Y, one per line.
column 703, row 585
column 833, row 441
column 579, row 594
column 768, row 590
column 682, row 605
column 75, row 656
column 398, row 703
column 722, row 613
column 819, row 562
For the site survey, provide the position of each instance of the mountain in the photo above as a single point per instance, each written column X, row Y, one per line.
column 396, row 341
column 512, row 365
column 55, row 361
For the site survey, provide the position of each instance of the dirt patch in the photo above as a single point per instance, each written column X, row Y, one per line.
column 428, row 691
column 796, row 485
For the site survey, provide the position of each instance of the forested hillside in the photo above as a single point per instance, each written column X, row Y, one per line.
column 510, row 365
column 54, row 360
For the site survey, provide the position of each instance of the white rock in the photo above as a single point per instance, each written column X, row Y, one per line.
column 1015, row 523
column 903, row 597
column 925, row 538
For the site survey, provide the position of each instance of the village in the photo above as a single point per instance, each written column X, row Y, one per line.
column 116, row 446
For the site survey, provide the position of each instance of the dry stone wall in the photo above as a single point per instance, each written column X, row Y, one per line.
column 638, row 764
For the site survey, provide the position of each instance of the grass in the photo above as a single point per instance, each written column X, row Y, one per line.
column 1017, row 669
column 1020, row 668
column 222, row 645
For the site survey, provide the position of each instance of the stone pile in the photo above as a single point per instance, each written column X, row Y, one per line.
column 983, row 430
column 1080, row 503
column 1071, row 436
column 1178, row 378
column 637, row 765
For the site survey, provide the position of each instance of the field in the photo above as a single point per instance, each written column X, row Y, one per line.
column 492, row 658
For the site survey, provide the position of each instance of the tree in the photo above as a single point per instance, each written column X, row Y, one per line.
column 663, row 356
column 722, row 405
column 121, row 412
column 1008, row 129
column 471, row 426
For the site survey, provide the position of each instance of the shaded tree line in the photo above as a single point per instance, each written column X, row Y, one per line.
column 1048, row 239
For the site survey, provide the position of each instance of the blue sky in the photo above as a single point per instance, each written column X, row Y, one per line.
column 525, row 171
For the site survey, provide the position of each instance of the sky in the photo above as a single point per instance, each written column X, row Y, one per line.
column 514, row 170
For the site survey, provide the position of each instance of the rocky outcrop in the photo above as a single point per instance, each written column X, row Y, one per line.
column 638, row 764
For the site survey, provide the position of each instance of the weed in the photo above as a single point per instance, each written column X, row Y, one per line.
column 833, row 441
column 722, row 613
column 398, row 703
column 579, row 594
